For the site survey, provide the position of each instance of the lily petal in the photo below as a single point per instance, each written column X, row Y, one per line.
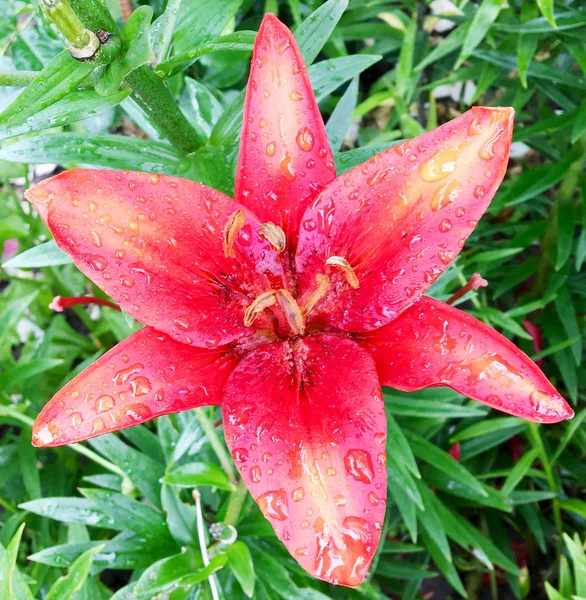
column 310, row 446
column 285, row 159
column 155, row 245
column 400, row 218
column 434, row 344
column 145, row 376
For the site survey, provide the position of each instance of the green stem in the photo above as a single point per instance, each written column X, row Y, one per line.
column 8, row 506
column 235, row 504
column 97, row 459
column 216, row 442
column 17, row 78
column 551, row 483
column 67, row 22
column 152, row 95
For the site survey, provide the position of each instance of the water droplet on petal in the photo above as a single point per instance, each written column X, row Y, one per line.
column 104, row 403
column 305, row 139
column 359, row 464
column 274, row 505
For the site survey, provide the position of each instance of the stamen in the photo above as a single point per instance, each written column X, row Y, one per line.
column 59, row 304
column 274, row 235
column 341, row 263
column 323, row 286
column 263, row 301
column 291, row 311
column 232, row 228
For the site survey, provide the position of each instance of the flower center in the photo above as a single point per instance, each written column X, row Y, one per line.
column 292, row 311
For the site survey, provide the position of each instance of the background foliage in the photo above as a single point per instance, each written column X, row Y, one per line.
column 480, row 504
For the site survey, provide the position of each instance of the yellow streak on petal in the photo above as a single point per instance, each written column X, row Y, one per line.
column 341, row 263
column 232, row 228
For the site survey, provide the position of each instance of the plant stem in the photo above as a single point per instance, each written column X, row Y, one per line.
column 68, row 23
column 551, row 483
column 152, row 95
column 235, row 504
column 216, row 442
column 203, row 541
column 97, row 459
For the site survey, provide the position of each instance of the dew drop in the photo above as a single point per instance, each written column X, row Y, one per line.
column 359, row 464
column 446, row 194
column 140, row 386
column 440, row 164
column 298, row 494
column 305, row 139
column 487, row 150
column 271, row 147
column 98, row 263
column 127, row 281
column 274, row 505
column 295, row 96
column 255, row 474
column 98, row 425
column 76, row 420
column 104, row 403
column 445, row 225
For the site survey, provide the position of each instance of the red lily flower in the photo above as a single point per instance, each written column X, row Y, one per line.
column 290, row 306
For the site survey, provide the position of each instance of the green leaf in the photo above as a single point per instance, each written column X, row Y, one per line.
column 101, row 150
column 410, row 406
column 8, row 566
column 199, row 473
column 519, row 471
column 404, row 503
column 69, row 509
column 143, row 471
column 404, row 80
column 444, row 564
column 552, row 594
column 484, row 17
column 546, row 8
column 202, row 21
column 314, row 32
column 341, row 117
column 352, row 158
column 60, row 77
column 574, row 505
column 22, row 372
column 328, row 75
column 76, row 106
column 43, row 255
column 129, row 514
column 526, row 47
column 137, row 51
column 567, row 314
column 448, row 45
column 239, row 40
column 398, row 445
column 67, row 586
column 485, row 427
column 240, row 562
column 28, row 464
column 444, row 462
column 166, row 573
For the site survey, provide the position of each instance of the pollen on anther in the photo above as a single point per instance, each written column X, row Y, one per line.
column 274, row 235
column 341, row 263
column 232, row 228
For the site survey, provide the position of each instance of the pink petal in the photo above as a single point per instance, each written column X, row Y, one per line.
column 145, row 376
column 285, row 158
column 310, row 446
column 154, row 244
column 433, row 344
column 400, row 218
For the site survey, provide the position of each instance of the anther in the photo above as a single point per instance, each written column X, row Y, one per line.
column 232, row 228
column 274, row 235
column 263, row 301
column 341, row 263
column 291, row 311
column 311, row 299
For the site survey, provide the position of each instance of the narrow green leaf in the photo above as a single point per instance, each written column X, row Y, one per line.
column 519, row 471
column 484, row 17
column 70, row 509
column 61, row 76
column 444, row 462
column 315, row 31
column 101, row 150
column 43, row 255
column 67, row 586
column 8, row 565
column 546, row 8
column 526, row 47
column 341, row 117
column 485, row 427
column 199, row 473
column 240, row 562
